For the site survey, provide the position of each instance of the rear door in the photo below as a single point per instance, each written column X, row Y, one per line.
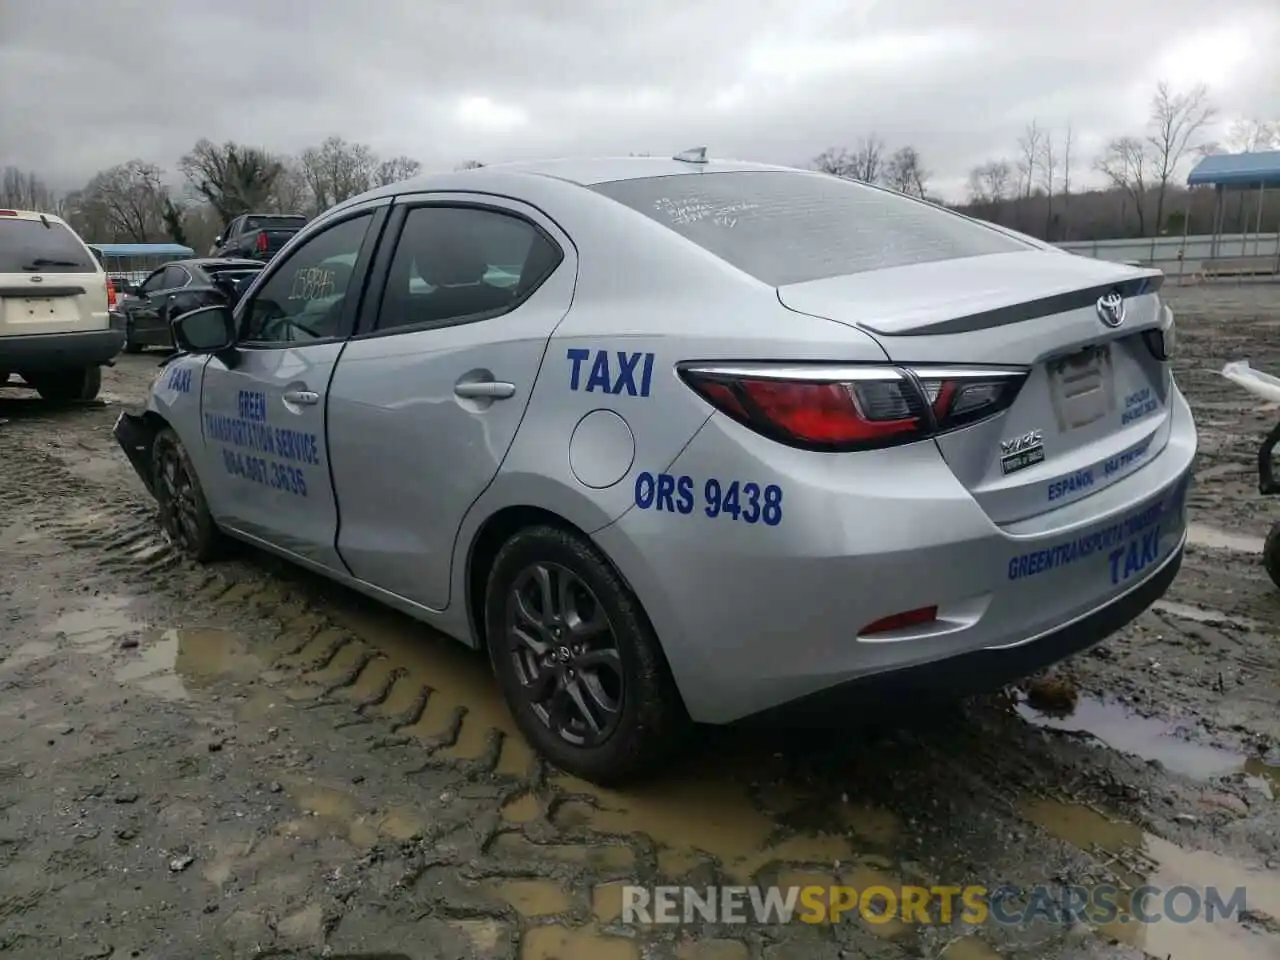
column 49, row 281
column 429, row 395
column 263, row 407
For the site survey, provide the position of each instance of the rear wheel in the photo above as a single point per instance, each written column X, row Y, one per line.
column 131, row 345
column 1271, row 554
column 578, row 662
column 65, row 386
column 184, row 512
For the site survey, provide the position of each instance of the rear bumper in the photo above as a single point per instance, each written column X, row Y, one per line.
column 978, row 671
column 136, row 438
column 40, row 352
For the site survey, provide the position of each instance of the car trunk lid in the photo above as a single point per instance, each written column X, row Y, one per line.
column 1094, row 407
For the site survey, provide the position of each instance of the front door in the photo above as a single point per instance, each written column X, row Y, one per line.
column 263, row 408
column 429, row 394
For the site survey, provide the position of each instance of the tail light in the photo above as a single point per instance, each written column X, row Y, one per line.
column 8, row 213
column 838, row 407
column 262, row 243
column 111, row 294
column 1161, row 341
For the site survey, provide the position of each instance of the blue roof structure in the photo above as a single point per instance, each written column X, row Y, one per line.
column 1261, row 169
column 174, row 250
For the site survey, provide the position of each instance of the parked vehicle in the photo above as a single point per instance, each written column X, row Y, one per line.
column 55, row 301
column 256, row 236
column 681, row 439
column 179, row 288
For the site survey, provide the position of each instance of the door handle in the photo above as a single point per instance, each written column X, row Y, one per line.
column 490, row 389
column 301, row 397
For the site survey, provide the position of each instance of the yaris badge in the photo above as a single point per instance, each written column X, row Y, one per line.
column 1111, row 308
column 1018, row 453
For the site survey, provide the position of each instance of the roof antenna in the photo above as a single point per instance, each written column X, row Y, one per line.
column 45, row 221
column 692, row 155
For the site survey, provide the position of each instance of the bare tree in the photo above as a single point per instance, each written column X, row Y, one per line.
column 866, row 163
column 337, row 170
column 1247, row 136
column 1175, row 119
column 26, row 191
column 127, row 202
column 1049, row 160
column 1029, row 153
column 1125, row 164
column 905, row 173
column 1067, row 158
column 291, row 193
column 231, row 178
column 396, row 169
column 990, row 183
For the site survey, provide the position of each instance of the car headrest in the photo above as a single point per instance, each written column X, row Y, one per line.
column 461, row 260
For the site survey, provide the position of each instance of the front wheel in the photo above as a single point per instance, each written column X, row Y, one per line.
column 578, row 662
column 184, row 512
column 1271, row 554
column 66, row 386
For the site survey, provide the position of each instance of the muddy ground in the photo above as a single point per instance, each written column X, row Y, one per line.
column 242, row 760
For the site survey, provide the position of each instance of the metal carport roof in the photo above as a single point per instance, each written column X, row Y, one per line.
column 1260, row 169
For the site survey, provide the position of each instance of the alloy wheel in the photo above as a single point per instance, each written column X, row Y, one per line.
column 565, row 653
column 181, row 519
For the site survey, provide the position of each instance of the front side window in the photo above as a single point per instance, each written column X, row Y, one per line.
column 457, row 263
column 303, row 299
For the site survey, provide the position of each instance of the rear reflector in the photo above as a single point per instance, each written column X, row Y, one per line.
column 838, row 407
column 908, row 618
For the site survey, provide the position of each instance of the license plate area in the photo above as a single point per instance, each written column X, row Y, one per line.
column 1082, row 387
column 18, row 310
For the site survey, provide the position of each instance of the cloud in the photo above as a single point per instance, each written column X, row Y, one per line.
column 83, row 86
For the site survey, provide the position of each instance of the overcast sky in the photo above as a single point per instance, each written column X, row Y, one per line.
column 85, row 84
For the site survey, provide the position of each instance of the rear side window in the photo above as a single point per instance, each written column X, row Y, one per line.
column 783, row 227
column 28, row 246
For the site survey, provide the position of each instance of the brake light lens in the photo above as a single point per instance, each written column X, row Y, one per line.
column 839, row 407
column 262, row 243
column 111, row 294
column 8, row 213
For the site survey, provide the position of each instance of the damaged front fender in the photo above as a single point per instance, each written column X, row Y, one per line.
column 136, row 435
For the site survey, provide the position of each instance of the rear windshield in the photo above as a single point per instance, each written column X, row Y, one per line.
column 28, row 246
column 783, row 227
column 273, row 223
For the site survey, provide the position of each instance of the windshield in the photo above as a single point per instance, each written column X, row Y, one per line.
column 28, row 246
column 790, row 227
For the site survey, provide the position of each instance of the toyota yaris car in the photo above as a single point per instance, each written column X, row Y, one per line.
column 687, row 440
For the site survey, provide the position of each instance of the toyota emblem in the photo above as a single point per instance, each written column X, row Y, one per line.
column 1111, row 308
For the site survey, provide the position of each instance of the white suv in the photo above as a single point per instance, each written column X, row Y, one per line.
column 56, row 326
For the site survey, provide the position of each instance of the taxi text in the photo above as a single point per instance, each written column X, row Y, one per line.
column 616, row 372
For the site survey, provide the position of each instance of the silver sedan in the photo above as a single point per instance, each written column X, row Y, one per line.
column 682, row 440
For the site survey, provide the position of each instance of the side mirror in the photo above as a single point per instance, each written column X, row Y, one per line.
column 217, row 240
column 206, row 330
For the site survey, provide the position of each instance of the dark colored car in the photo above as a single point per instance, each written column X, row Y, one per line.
column 257, row 235
column 179, row 287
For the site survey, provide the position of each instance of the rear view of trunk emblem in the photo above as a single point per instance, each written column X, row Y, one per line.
column 1018, row 453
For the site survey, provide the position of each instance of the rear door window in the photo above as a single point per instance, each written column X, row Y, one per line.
column 790, row 227
column 28, row 246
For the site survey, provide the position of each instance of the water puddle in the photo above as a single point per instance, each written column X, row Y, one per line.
column 1138, row 858
column 1122, row 730
column 170, row 663
column 96, row 626
column 1202, row 535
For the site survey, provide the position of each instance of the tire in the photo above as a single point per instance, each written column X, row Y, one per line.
column 67, row 386
column 648, row 720
column 184, row 512
column 130, row 346
column 1271, row 554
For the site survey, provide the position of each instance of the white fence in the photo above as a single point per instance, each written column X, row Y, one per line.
column 1162, row 252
